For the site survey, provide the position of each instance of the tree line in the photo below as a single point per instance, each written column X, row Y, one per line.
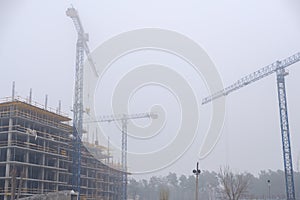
column 224, row 184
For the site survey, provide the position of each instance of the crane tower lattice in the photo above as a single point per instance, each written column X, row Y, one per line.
column 277, row 67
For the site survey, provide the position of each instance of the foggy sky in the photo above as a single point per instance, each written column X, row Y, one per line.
column 38, row 51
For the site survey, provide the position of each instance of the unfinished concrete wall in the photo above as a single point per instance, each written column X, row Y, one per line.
column 36, row 156
column 62, row 195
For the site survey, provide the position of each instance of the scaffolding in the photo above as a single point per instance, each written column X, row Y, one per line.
column 36, row 155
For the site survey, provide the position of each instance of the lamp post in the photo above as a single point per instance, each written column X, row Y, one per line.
column 269, row 185
column 197, row 171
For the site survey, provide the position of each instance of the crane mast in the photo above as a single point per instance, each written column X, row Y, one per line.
column 277, row 67
column 285, row 135
column 124, row 120
column 81, row 49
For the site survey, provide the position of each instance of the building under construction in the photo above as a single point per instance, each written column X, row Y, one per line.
column 36, row 155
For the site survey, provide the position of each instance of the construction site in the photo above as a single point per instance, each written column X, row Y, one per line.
column 44, row 151
column 36, row 155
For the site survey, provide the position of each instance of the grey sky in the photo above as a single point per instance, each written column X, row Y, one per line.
column 38, row 51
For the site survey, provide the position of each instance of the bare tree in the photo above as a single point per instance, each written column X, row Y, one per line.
column 233, row 185
column 164, row 193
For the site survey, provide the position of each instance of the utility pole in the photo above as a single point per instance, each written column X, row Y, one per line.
column 269, row 186
column 197, row 171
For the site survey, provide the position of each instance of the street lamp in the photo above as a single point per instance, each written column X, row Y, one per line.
column 269, row 185
column 197, row 171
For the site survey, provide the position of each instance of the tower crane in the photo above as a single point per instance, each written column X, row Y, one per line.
column 81, row 49
column 277, row 67
column 124, row 120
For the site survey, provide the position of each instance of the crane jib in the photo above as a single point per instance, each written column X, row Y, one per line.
column 277, row 67
column 255, row 76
